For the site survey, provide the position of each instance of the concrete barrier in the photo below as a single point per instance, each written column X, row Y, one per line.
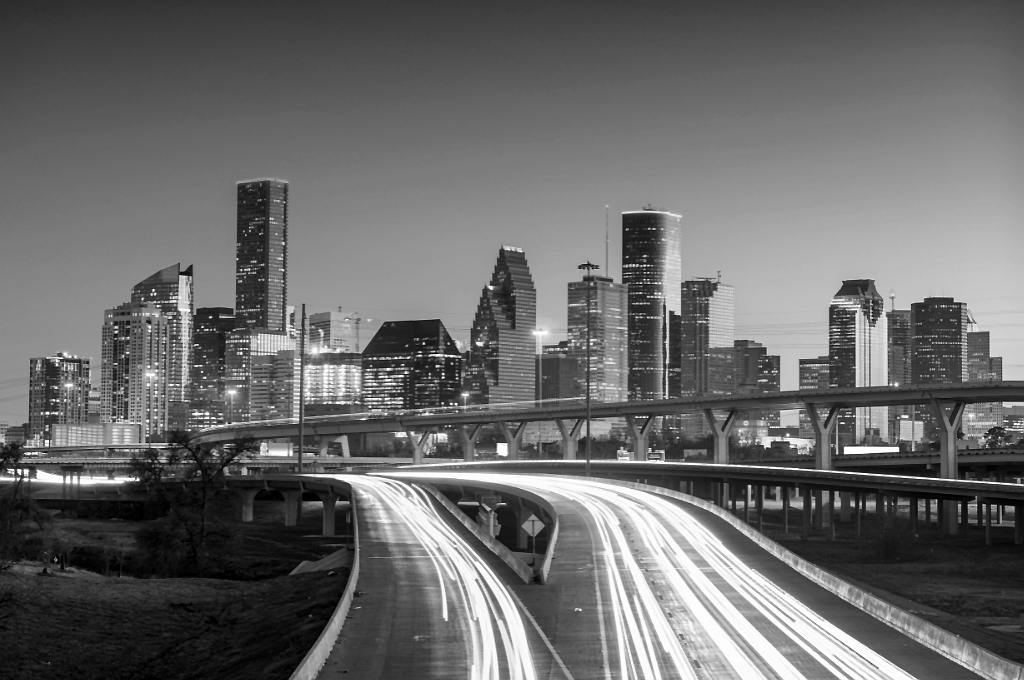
column 517, row 565
column 317, row 655
column 969, row 655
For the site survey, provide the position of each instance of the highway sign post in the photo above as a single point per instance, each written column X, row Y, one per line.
column 533, row 526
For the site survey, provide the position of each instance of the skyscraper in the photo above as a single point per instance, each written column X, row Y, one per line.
column 982, row 367
column 249, row 365
column 171, row 291
column 900, row 352
column 706, row 336
column 134, row 367
column 939, row 328
column 652, row 271
column 814, row 375
column 209, row 350
column 411, row 364
column 859, row 357
column 501, row 352
column 609, row 371
column 261, row 254
column 58, row 393
column 757, row 372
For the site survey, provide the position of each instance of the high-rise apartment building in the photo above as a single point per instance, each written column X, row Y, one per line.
column 410, row 365
column 859, row 357
column 609, row 371
column 261, row 254
column 814, row 375
column 939, row 328
column 501, row 351
column 211, row 327
column 652, row 243
column 982, row 367
column 706, row 336
column 58, row 393
column 134, row 367
column 171, row 291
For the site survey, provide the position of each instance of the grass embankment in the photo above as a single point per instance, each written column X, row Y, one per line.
column 959, row 584
column 86, row 626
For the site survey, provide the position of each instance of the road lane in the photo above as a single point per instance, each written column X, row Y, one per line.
column 675, row 599
column 431, row 605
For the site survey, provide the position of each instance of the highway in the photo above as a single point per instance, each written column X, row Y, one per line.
column 641, row 587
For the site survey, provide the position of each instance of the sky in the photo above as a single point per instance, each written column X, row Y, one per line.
column 803, row 144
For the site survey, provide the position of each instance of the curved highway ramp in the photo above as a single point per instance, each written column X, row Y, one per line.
column 641, row 585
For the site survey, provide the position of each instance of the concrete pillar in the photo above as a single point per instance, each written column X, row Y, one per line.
column 844, row 506
column 292, row 501
column 819, row 515
column 329, row 499
column 639, row 432
column 785, row 510
column 570, row 436
column 988, row 523
column 1018, row 525
column 720, row 432
column 913, row 514
column 469, row 434
column 858, row 499
column 248, row 498
column 759, row 505
column 824, row 424
column 949, row 423
column 514, row 436
column 417, row 444
column 928, row 512
column 746, row 503
column 830, row 514
column 981, row 520
column 965, row 505
column 807, row 514
column 879, row 506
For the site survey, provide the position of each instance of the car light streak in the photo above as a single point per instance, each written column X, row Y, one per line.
column 498, row 643
column 738, row 611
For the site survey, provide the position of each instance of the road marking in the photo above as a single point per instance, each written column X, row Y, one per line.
column 542, row 635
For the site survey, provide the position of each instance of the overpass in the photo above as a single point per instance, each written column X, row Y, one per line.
column 946, row 402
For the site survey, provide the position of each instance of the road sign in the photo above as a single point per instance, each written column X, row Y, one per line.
column 533, row 525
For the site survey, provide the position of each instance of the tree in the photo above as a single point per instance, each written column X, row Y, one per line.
column 194, row 537
column 17, row 510
column 996, row 437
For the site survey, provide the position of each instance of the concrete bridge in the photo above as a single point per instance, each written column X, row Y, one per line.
column 946, row 402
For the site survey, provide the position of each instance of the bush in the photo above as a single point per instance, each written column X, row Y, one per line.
column 895, row 541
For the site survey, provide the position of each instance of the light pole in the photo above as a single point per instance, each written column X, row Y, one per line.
column 540, row 333
column 231, row 405
column 465, row 397
column 589, row 267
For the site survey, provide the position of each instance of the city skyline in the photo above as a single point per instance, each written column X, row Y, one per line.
column 925, row 150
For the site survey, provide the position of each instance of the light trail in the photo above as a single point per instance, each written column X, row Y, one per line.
column 663, row 574
column 470, row 590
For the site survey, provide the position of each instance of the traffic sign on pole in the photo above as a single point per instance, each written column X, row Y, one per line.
column 533, row 525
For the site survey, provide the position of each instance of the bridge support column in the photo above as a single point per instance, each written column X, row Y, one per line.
column 913, row 514
column 807, row 513
column 720, row 432
column 248, row 499
column 639, row 432
column 965, row 506
column 292, row 503
column 1018, row 525
column 785, row 509
column 857, row 498
column 514, row 436
column 570, row 436
column 830, row 515
column 949, row 423
column 329, row 500
column 824, row 425
column 928, row 512
column 469, row 434
column 844, row 506
column 988, row 522
column 759, row 506
column 417, row 444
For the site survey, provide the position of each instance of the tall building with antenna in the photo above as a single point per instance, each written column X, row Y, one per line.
column 652, row 244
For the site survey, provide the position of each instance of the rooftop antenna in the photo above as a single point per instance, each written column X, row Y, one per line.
column 892, row 299
column 719, row 275
column 606, row 240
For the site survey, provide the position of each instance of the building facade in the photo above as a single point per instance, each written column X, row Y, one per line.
column 814, row 375
column 211, row 327
column 345, row 332
column 859, row 357
column 411, row 365
column 171, row 291
column 609, row 330
column 939, row 327
column 58, row 393
column 250, row 355
column 706, row 338
column 134, row 366
column 982, row 367
column 501, row 352
column 334, row 377
column 652, row 242
column 261, row 254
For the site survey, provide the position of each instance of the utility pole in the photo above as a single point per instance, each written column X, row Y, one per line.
column 589, row 267
column 302, row 389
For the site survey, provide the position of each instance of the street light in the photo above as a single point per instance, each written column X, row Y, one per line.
column 540, row 333
column 465, row 396
column 589, row 267
column 231, row 405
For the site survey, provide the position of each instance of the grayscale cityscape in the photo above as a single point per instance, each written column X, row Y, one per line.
column 571, row 341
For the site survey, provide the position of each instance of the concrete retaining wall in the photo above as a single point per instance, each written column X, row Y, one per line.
column 321, row 649
column 517, row 565
column 967, row 654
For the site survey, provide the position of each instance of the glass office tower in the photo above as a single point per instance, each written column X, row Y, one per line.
column 707, row 322
column 652, row 270
column 410, row 365
column 211, row 326
column 501, row 352
column 609, row 370
column 261, row 254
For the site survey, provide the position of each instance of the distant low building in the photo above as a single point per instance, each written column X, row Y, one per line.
column 97, row 434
